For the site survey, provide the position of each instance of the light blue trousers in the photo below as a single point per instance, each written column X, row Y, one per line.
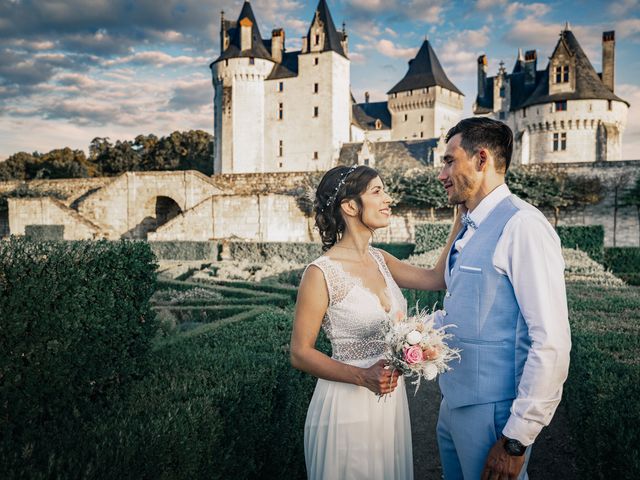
column 465, row 436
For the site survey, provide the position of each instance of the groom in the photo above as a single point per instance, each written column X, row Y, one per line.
column 506, row 294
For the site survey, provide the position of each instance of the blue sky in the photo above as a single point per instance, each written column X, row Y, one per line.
column 72, row 70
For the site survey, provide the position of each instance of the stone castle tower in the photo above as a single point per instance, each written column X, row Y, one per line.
column 277, row 110
column 564, row 113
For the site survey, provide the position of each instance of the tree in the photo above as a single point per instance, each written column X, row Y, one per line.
column 65, row 163
column 631, row 198
column 420, row 187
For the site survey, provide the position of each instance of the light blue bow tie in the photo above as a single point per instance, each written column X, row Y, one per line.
column 467, row 222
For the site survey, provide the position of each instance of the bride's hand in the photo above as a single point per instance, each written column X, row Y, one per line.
column 380, row 380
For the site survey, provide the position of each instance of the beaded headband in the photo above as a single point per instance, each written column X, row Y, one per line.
column 334, row 195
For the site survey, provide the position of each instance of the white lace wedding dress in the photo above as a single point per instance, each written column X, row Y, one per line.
column 349, row 433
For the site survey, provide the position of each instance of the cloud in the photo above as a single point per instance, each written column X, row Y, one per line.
column 624, row 7
column 394, row 11
column 535, row 10
column 489, row 4
column 628, row 28
column 388, row 49
column 157, row 59
column 357, row 58
column 191, row 96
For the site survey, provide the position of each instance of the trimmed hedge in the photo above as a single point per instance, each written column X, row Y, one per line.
column 300, row 252
column 624, row 262
column 185, row 250
column 224, row 403
column 44, row 232
column 588, row 238
column 398, row 250
column 76, row 329
column 430, row 236
column 602, row 393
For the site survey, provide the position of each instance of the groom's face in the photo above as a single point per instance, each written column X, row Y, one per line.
column 458, row 175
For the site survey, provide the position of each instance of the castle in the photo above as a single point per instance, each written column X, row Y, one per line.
column 564, row 113
column 279, row 111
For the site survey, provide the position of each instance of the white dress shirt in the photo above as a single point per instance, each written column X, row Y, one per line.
column 529, row 254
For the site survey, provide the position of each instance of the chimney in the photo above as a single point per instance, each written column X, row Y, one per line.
column 277, row 44
column 530, row 66
column 366, row 97
column 345, row 39
column 608, row 59
column 245, row 34
column 224, row 36
column 482, row 75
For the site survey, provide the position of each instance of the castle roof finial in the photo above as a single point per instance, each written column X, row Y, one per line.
column 567, row 27
column 520, row 56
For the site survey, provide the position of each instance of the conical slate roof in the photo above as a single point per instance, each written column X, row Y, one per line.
column 424, row 71
column 257, row 50
column 588, row 83
column 332, row 39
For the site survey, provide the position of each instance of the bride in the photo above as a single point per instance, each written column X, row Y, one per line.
column 357, row 425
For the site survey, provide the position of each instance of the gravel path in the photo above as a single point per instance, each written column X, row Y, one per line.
column 552, row 457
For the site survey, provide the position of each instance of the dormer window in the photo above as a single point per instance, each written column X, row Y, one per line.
column 317, row 40
column 502, row 92
column 562, row 74
column 252, row 61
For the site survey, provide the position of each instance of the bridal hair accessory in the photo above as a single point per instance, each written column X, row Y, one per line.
column 334, row 195
column 467, row 222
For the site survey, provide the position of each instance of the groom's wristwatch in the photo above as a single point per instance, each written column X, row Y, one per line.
column 513, row 447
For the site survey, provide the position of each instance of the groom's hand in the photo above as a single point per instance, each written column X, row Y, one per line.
column 500, row 465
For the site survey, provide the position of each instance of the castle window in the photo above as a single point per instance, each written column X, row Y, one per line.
column 421, row 118
column 252, row 61
column 559, row 141
column 406, row 117
column 502, row 92
column 502, row 115
column 315, row 111
column 280, row 111
column 280, row 164
column 315, row 61
column 315, row 155
column 316, row 87
column 395, row 95
column 609, row 105
column 524, row 112
column 317, row 40
column 421, row 134
column 562, row 74
column 366, row 161
column 280, row 86
column 561, row 106
column 280, row 149
column 226, row 62
column 378, row 124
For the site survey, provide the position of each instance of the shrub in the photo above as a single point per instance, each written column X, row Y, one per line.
column 221, row 404
column 76, row 328
column 589, row 239
column 624, row 262
column 430, row 236
column 44, row 232
column 184, row 250
column 603, row 387
column 398, row 250
column 258, row 252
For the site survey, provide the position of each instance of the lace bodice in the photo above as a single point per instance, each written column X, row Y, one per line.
column 354, row 320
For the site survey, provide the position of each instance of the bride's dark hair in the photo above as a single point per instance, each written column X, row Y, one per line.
column 339, row 184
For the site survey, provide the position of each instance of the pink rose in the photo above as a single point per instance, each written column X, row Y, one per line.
column 412, row 354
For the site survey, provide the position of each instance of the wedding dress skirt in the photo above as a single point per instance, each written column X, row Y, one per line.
column 351, row 434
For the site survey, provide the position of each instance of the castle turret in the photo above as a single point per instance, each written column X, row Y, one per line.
column 238, row 78
column 425, row 101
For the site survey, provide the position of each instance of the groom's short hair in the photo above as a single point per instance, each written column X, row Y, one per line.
column 482, row 132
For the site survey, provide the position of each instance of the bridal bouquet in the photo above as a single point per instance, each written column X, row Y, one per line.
column 417, row 348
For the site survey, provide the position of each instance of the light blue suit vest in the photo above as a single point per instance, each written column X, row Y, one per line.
column 491, row 332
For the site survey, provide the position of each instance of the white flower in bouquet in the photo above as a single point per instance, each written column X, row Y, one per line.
column 414, row 337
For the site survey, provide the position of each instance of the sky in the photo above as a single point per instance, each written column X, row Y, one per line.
column 73, row 70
